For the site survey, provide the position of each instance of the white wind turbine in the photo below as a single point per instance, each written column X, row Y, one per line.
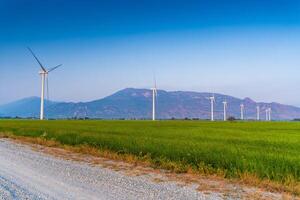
column 257, row 113
column 242, row 111
column 154, row 96
column 225, row 109
column 267, row 114
column 44, row 74
column 212, row 101
column 270, row 110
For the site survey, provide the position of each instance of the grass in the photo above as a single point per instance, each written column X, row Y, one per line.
column 263, row 150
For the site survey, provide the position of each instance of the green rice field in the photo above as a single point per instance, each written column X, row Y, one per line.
column 267, row 150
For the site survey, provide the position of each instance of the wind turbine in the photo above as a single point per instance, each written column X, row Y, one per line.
column 270, row 110
column 225, row 109
column 242, row 111
column 212, row 100
column 257, row 113
column 267, row 114
column 44, row 74
column 154, row 96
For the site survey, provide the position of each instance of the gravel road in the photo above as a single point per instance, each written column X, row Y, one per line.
column 29, row 174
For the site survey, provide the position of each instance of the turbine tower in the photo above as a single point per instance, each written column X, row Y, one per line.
column 270, row 110
column 242, row 111
column 257, row 113
column 225, row 110
column 44, row 74
column 154, row 96
column 212, row 100
column 267, row 114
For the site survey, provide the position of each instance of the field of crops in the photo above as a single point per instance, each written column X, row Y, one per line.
column 267, row 150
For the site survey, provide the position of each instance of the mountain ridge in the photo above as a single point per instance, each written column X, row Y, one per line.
column 135, row 103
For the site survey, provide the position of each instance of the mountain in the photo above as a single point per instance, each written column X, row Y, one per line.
column 28, row 107
column 137, row 103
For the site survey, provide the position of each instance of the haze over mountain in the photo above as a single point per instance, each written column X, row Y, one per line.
column 133, row 103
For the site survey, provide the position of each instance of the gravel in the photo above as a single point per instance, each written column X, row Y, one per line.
column 28, row 174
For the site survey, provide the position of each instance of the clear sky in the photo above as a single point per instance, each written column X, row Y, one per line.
column 240, row 48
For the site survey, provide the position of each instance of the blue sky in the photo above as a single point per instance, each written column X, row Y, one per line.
column 241, row 48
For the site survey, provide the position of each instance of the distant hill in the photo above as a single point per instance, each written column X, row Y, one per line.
column 136, row 103
column 28, row 107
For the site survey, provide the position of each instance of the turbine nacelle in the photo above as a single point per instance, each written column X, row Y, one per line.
column 43, row 72
column 154, row 90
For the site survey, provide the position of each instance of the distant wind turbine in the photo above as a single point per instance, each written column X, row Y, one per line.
column 212, row 101
column 267, row 114
column 225, row 110
column 154, row 98
column 257, row 113
column 242, row 111
column 44, row 74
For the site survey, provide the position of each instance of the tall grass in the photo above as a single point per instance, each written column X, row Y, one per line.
column 267, row 150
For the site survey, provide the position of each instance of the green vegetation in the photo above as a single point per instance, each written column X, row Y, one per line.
column 266, row 150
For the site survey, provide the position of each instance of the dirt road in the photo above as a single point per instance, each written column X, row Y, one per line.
column 30, row 174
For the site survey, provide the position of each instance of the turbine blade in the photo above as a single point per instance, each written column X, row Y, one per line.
column 47, row 82
column 43, row 68
column 53, row 68
column 47, row 100
column 154, row 77
column 156, row 100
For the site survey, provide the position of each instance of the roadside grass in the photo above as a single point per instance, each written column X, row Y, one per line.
column 257, row 153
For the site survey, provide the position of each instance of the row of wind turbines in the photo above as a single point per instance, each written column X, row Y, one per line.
column 212, row 103
column 242, row 110
column 44, row 72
